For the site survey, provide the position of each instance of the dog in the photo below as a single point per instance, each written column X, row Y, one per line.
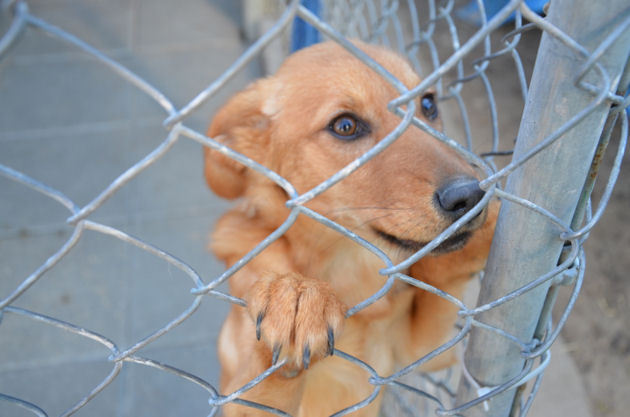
column 320, row 111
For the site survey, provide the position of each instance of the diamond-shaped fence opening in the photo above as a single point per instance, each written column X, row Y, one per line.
column 543, row 171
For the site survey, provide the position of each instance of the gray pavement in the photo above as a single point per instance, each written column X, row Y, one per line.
column 70, row 122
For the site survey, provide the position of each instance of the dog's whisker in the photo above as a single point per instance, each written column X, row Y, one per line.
column 372, row 220
column 354, row 229
column 358, row 208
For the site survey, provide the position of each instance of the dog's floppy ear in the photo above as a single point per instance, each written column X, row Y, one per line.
column 242, row 125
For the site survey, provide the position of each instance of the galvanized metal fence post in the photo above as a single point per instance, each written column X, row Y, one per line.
column 527, row 245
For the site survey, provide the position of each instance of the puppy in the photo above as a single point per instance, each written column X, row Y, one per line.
column 323, row 109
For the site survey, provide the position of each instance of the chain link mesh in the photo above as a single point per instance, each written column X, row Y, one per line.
column 427, row 33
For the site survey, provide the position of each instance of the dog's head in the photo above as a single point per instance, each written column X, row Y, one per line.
column 323, row 109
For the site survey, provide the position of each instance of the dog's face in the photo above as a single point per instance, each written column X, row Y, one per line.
column 323, row 109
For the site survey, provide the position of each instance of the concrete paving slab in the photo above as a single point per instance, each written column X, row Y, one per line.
column 184, row 234
column 23, row 253
column 58, row 387
column 165, row 23
column 104, row 24
column 562, row 392
column 86, row 288
column 183, row 73
column 74, row 91
column 24, row 212
column 168, row 394
column 173, row 183
column 159, row 292
column 33, row 344
column 55, row 159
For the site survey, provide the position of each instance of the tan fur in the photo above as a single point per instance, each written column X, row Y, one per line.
column 302, row 284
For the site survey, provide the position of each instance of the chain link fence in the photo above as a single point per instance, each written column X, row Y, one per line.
column 573, row 107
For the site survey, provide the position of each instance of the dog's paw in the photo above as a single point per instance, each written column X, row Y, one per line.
column 297, row 317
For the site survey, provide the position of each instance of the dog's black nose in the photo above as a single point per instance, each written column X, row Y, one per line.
column 458, row 196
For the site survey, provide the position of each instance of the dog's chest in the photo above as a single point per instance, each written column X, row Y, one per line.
column 354, row 276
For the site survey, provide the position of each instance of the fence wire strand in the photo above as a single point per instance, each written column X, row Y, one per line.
column 411, row 27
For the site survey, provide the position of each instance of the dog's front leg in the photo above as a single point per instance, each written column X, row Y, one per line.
column 296, row 317
column 243, row 358
column 430, row 324
column 289, row 318
column 431, row 318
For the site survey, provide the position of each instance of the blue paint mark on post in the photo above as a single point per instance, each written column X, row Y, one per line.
column 470, row 12
column 304, row 34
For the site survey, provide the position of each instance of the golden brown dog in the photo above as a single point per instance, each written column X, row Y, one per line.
column 323, row 109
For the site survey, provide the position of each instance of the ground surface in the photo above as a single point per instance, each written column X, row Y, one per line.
column 597, row 332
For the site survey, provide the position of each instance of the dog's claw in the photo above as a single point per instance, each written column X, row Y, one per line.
column 331, row 341
column 306, row 357
column 276, row 354
column 259, row 319
column 296, row 317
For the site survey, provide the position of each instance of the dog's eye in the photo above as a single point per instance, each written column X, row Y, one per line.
column 429, row 107
column 347, row 127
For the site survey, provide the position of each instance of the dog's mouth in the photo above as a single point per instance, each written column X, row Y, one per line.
column 451, row 244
